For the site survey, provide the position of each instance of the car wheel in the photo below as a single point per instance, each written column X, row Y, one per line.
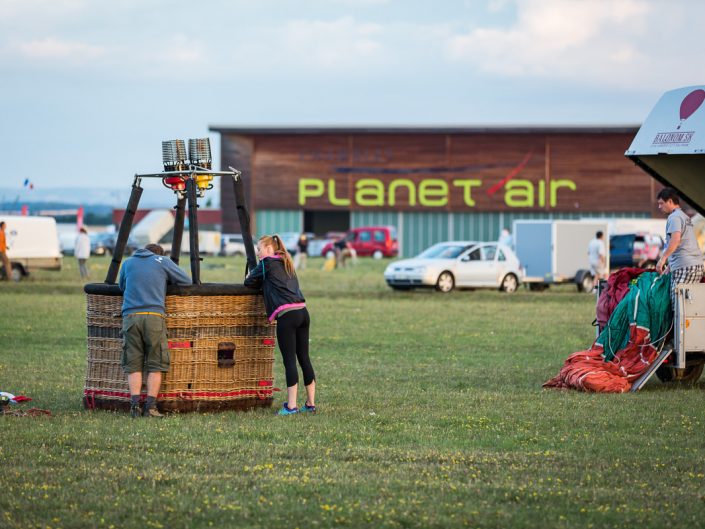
column 377, row 254
column 509, row 283
column 446, row 282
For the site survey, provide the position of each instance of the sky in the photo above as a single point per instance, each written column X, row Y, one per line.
column 89, row 89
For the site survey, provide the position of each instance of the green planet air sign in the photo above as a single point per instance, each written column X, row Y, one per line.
column 432, row 192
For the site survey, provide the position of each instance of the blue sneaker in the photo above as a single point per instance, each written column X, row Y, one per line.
column 287, row 411
column 308, row 408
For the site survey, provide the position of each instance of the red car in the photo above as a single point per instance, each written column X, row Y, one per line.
column 377, row 241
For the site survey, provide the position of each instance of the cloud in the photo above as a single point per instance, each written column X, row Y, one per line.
column 315, row 46
column 51, row 48
column 620, row 43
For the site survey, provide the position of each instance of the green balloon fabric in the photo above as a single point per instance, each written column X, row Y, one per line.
column 648, row 305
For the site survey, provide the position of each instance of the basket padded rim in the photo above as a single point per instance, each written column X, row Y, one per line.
column 205, row 289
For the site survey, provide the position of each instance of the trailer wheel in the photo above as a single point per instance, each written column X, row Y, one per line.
column 585, row 281
column 688, row 375
column 446, row 282
column 17, row 273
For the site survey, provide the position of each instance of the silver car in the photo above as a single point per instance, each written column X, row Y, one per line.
column 460, row 264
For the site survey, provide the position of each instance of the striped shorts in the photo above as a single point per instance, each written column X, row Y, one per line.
column 689, row 274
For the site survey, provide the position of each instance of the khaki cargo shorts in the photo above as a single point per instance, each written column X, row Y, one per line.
column 144, row 344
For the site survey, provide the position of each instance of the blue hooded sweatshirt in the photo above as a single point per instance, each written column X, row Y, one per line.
column 143, row 280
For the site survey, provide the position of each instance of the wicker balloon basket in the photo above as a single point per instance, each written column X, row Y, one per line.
column 220, row 343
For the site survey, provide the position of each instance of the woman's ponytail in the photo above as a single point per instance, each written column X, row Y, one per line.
column 280, row 250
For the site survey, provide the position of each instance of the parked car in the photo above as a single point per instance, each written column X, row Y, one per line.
column 232, row 244
column 447, row 265
column 375, row 241
column 635, row 249
column 291, row 240
column 103, row 243
column 315, row 246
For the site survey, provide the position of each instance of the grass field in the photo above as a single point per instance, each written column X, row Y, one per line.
column 431, row 415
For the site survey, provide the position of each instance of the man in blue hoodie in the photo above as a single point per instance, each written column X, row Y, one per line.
column 143, row 280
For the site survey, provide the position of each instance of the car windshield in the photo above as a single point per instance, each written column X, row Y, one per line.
column 443, row 251
column 100, row 237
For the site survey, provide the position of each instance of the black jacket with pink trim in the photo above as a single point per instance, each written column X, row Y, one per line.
column 278, row 288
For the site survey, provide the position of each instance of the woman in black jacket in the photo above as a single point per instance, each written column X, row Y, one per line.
column 284, row 302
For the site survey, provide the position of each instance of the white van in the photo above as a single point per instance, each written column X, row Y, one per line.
column 32, row 243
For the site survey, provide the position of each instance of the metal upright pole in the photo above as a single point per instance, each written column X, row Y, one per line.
column 124, row 232
column 244, row 218
column 178, row 228
column 193, row 231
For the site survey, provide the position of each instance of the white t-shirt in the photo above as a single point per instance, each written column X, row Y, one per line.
column 596, row 249
column 82, row 248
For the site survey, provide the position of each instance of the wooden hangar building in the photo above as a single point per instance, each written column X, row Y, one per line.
column 433, row 184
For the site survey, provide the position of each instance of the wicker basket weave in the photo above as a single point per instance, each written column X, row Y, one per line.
column 200, row 321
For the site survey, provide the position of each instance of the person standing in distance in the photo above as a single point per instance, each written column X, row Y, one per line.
column 597, row 256
column 302, row 253
column 284, row 302
column 82, row 251
column 682, row 255
column 143, row 280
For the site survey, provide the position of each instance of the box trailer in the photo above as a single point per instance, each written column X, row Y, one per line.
column 670, row 146
column 555, row 251
column 32, row 244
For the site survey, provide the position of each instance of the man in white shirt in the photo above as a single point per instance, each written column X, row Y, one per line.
column 82, row 251
column 596, row 256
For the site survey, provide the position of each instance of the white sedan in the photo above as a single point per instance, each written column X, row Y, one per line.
column 448, row 265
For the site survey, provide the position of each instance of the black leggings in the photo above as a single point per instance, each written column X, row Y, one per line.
column 292, row 336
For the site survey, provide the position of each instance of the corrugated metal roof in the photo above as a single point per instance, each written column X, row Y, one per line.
column 440, row 129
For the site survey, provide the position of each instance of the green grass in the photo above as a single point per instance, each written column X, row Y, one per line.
column 431, row 415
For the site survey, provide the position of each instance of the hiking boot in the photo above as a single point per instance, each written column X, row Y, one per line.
column 153, row 413
column 308, row 408
column 285, row 410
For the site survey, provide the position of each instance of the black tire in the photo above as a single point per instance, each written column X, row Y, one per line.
column 17, row 273
column 586, row 283
column 510, row 284
column 445, row 282
column 688, row 375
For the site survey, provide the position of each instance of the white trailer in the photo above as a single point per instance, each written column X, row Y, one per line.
column 32, row 244
column 555, row 251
